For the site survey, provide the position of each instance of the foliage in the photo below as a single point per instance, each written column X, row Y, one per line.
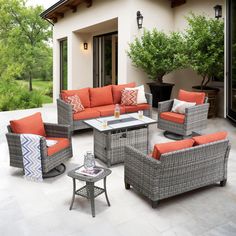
column 158, row 53
column 205, row 47
column 13, row 96
column 25, row 37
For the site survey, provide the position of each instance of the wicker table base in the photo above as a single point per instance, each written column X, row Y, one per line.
column 109, row 146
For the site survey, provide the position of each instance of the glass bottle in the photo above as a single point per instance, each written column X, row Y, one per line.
column 117, row 111
column 89, row 161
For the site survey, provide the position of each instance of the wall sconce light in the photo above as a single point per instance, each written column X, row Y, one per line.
column 218, row 11
column 85, row 46
column 139, row 20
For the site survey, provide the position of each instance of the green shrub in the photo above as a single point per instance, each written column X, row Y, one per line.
column 49, row 90
column 14, row 97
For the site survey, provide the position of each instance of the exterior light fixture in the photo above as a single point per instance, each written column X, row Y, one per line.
column 218, row 11
column 139, row 20
column 85, row 46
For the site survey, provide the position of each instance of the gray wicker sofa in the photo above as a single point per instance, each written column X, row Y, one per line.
column 65, row 114
column 176, row 172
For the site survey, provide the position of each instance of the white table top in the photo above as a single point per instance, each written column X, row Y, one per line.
column 126, row 121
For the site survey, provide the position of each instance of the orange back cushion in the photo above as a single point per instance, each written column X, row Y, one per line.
column 101, row 96
column 191, row 96
column 29, row 125
column 82, row 93
column 208, row 138
column 116, row 91
column 162, row 148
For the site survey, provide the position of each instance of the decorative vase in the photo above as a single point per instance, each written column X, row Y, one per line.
column 89, row 161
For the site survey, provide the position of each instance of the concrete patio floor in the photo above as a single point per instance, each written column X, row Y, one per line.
column 29, row 208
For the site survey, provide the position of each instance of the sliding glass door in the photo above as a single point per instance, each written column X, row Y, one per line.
column 231, row 59
column 105, row 49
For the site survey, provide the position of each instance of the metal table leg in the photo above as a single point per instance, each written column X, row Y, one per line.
column 105, row 189
column 90, row 189
column 73, row 196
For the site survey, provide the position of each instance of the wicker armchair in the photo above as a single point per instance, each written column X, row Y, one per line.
column 176, row 172
column 195, row 119
column 48, row 162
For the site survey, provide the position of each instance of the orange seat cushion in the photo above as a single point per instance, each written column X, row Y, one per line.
column 162, row 148
column 82, row 93
column 61, row 144
column 116, row 91
column 108, row 110
column 88, row 113
column 173, row 117
column 143, row 106
column 101, row 96
column 29, row 125
column 208, row 138
column 191, row 96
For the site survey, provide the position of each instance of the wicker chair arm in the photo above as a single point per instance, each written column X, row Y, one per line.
column 165, row 106
column 57, row 130
column 14, row 144
column 64, row 112
column 149, row 98
column 196, row 113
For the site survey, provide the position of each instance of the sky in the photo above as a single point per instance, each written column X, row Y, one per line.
column 45, row 3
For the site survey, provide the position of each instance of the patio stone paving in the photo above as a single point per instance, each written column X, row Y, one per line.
column 37, row 209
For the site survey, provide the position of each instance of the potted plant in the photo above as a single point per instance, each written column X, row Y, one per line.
column 158, row 54
column 205, row 51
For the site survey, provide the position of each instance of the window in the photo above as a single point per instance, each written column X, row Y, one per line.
column 63, row 64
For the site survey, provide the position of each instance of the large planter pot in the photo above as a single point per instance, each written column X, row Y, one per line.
column 211, row 93
column 160, row 92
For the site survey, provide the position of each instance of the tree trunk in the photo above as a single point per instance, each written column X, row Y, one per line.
column 30, row 82
column 160, row 79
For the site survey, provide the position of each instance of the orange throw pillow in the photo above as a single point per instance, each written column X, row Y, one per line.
column 162, row 148
column 208, row 138
column 29, row 125
column 101, row 96
column 82, row 93
column 191, row 96
column 116, row 91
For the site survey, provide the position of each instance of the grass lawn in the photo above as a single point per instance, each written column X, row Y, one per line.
column 40, row 86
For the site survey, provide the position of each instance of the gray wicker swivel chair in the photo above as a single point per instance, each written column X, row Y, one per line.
column 176, row 172
column 51, row 165
column 195, row 119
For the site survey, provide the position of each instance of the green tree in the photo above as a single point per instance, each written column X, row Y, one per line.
column 205, row 47
column 25, row 37
column 158, row 53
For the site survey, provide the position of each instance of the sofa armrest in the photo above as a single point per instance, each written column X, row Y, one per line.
column 140, row 160
column 57, row 130
column 196, row 113
column 64, row 113
column 165, row 106
column 149, row 98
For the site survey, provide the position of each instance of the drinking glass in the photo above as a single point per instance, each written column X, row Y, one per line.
column 140, row 114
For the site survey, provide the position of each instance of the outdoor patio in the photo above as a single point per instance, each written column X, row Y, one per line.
column 29, row 208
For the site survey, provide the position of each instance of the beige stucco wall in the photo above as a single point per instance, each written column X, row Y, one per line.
column 81, row 26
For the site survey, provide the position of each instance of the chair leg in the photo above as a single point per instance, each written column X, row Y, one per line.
column 155, row 204
column 223, row 182
column 127, row 186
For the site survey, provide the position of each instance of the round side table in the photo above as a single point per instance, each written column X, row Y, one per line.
column 89, row 191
